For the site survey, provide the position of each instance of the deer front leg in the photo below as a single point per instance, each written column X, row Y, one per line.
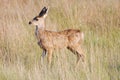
column 49, row 57
column 44, row 53
column 39, row 43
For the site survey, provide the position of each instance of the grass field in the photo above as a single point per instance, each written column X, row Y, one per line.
column 20, row 56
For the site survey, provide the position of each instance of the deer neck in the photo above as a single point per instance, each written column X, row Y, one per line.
column 40, row 29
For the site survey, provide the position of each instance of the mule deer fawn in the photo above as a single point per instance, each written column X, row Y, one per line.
column 49, row 40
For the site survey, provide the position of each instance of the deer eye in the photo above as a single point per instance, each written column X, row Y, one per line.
column 36, row 19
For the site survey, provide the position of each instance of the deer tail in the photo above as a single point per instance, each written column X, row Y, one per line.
column 82, row 36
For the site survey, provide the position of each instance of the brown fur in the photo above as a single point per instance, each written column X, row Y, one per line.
column 49, row 40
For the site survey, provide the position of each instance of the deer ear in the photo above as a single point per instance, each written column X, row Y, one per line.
column 43, row 12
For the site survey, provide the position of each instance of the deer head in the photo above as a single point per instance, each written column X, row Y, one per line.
column 39, row 19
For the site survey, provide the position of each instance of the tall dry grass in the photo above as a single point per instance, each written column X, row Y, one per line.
column 20, row 55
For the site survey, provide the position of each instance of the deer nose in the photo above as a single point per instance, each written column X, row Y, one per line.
column 30, row 22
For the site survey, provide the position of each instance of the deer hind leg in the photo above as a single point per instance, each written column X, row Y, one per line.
column 79, row 52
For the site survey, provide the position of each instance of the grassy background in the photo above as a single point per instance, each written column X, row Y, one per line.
column 20, row 55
